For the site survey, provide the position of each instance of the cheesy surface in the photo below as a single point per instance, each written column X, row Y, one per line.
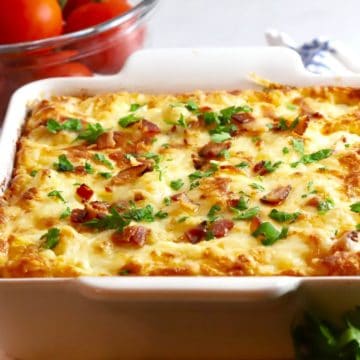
column 223, row 183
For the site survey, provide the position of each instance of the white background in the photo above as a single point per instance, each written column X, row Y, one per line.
column 243, row 22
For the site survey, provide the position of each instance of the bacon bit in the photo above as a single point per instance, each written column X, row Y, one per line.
column 232, row 201
column 213, row 150
column 149, row 128
column 80, row 170
column 30, row 193
column 242, row 118
column 106, row 141
column 205, row 109
column 85, row 192
column 314, row 202
column 108, row 189
column 78, row 216
column 131, row 235
column 138, row 196
column 95, row 209
column 216, row 187
column 221, row 227
column 230, row 169
column 197, row 233
column 260, row 169
column 198, row 161
column 131, row 173
column 302, row 125
column 254, row 223
column 277, row 196
column 78, row 153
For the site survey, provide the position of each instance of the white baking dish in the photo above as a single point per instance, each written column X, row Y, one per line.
column 164, row 317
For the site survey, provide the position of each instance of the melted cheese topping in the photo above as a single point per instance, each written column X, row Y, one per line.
column 322, row 240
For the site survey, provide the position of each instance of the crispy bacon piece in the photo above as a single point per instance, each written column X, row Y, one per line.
column 276, row 196
column 85, row 192
column 132, row 235
column 313, row 201
column 106, row 141
column 149, row 128
column 302, row 125
column 131, row 173
column 242, row 118
column 80, row 170
column 30, row 193
column 197, row 233
column 254, row 223
column 221, row 227
column 259, row 168
column 78, row 216
column 92, row 210
column 198, row 161
column 214, row 150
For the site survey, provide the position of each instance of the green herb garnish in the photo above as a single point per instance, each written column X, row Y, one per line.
column 355, row 207
column 88, row 168
column 105, row 175
column 102, row 159
column 192, row 106
column 269, row 233
column 134, row 107
column 325, row 205
column 167, row 201
column 311, row 158
column 242, row 165
column 298, row 146
column 51, row 238
column 247, row 214
column 271, row 167
column 91, row 133
column 212, row 213
column 281, row 216
column 33, row 173
column 63, row 164
column 70, row 125
column 220, row 137
column 176, row 184
column 257, row 186
column 161, row 214
column 56, row 194
column 285, row 150
column 128, row 120
column 66, row 213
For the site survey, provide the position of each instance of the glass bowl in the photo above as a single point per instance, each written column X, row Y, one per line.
column 102, row 49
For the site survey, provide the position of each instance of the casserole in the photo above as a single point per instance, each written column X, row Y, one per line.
column 193, row 314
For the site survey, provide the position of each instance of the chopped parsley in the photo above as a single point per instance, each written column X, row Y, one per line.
column 66, row 213
column 220, row 137
column 281, row 216
column 311, row 158
column 247, row 214
column 269, row 233
column 135, row 106
column 325, row 205
column 196, row 175
column 298, row 146
column 357, row 227
column 285, row 150
column 63, row 164
column 355, row 207
column 315, row 338
column 242, row 204
column 283, row 125
column 51, row 238
column 167, row 201
column 88, row 168
column 33, row 173
column 176, row 184
column 106, row 175
column 291, row 107
column 212, row 213
column 192, row 106
column 156, row 159
column 91, row 133
column 181, row 121
column 242, row 165
column 257, row 186
column 70, row 125
column 56, row 194
column 310, row 189
column 183, row 219
column 161, row 214
column 102, row 159
column 271, row 167
column 128, row 120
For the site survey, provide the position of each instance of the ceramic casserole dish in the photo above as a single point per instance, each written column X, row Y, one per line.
column 164, row 317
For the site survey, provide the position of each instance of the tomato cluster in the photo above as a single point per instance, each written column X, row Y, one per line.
column 30, row 20
column 24, row 21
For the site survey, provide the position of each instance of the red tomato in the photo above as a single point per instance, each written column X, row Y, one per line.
column 67, row 69
column 28, row 20
column 73, row 4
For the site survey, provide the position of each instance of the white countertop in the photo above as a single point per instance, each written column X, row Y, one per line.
column 190, row 23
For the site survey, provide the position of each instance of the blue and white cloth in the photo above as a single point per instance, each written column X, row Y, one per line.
column 320, row 56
